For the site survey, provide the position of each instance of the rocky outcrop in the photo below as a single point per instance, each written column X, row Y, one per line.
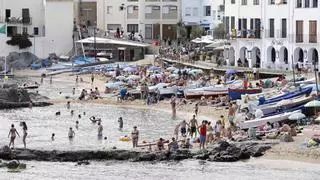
column 11, row 96
column 19, row 60
column 221, row 152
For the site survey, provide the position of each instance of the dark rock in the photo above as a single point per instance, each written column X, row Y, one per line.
column 202, row 156
column 286, row 138
column 146, row 157
column 13, row 164
column 22, row 166
column 2, row 165
column 83, row 162
column 223, row 158
column 259, row 150
column 25, row 155
column 5, row 149
column 221, row 146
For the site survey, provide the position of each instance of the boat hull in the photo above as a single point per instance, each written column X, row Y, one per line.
column 235, row 94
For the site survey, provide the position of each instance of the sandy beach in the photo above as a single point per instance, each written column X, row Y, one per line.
column 283, row 151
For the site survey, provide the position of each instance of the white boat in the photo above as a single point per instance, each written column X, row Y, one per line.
column 261, row 121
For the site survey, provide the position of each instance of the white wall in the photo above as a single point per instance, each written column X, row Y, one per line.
column 59, row 26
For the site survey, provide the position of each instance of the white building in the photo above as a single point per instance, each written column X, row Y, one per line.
column 273, row 33
column 206, row 13
column 154, row 19
column 48, row 22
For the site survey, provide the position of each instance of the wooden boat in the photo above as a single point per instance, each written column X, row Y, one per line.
column 261, row 121
column 288, row 95
column 206, row 92
column 30, row 87
column 236, row 93
column 281, row 105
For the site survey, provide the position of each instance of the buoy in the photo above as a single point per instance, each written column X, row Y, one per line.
column 125, row 138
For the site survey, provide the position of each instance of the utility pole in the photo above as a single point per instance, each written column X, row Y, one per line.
column 95, row 43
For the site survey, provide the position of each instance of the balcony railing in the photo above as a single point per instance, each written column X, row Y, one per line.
column 19, row 20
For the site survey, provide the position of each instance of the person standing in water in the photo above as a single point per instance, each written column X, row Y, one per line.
column 68, row 105
column 24, row 128
column 183, row 128
column 135, row 137
column 173, row 105
column 51, row 79
column 12, row 134
column 52, row 137
column 100, row 130
column 120, row 121
column 77, row 124
column 193, row 126
column 71, row 134
column 73, row 91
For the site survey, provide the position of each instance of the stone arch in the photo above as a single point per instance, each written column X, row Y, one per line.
column 271, row 54
column 284, row 55
column 232, row 60
column 313, row 56
column 256, row 57
column 242, row 61
column 298, row 55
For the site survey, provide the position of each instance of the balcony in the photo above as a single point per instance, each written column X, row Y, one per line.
column 152, row 0
column 152, row 12
column 251, row 34
column 170, row 12
column 132, row 12
column 19, row 20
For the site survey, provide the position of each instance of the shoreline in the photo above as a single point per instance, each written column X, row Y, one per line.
column 281, row 151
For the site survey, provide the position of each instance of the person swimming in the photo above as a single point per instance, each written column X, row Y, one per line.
column 52, row 137
column 93, row 119
column 71, row 134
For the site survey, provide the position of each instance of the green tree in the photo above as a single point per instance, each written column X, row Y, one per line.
column 219, row 31
column 20, row 40
column 182, row 32
column 196, row 32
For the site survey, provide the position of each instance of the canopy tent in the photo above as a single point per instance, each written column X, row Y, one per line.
column 217, row 43
column 92, row 40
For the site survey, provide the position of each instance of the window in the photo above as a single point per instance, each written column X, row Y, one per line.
column 271, row 1
column 244, row 2
column 314, row 3
column 130, row 9
column 148, row 31
column 299, row 3
column 283, row 28
column 207, row 10
column 306, row 3
column 35, row 31
column 299, row 31
column 24, row 30
column 227, row 23
column 255, row 2
column 195, row 11
column 233, row 1
column 109, row 9
column 232, row 22
column 148, row 10
column 188, row 11
column 271, row 28
column 312, row 31
column 132, row 27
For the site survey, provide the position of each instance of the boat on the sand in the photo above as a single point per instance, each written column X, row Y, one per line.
column 236, row 93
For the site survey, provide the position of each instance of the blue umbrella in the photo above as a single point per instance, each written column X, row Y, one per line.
column 231, row 71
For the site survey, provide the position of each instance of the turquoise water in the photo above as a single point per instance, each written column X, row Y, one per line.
column 42, row 122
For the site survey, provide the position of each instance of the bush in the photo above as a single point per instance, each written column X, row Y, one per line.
column 20, row 40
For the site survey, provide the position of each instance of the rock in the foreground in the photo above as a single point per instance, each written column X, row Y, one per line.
column 222, row 152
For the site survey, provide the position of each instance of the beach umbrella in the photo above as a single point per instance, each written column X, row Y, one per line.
column 133, row 77
column 171, row 69
column 296, row 116
column 121, row 78
column 231, row 71
column 130, row 69
column 196, row 71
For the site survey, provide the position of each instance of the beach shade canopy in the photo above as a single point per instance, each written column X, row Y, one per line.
column 133, row 77
column 130, row 69
column 313, row 103
column 196, row 71
column 296, row 116
column 154, row 68
column 231, row 71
